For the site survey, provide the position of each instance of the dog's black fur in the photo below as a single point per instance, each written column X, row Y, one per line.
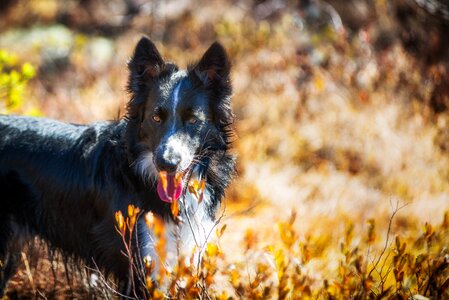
column 64, row 182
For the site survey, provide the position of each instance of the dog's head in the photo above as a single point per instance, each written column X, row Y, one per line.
column 178, row 119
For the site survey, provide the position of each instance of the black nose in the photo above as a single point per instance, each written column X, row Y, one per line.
column 168, row 164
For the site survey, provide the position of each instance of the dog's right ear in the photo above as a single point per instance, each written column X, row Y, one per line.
column 145, row 65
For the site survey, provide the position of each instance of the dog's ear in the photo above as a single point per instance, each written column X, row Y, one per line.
column 145, row 65
column 214, row 66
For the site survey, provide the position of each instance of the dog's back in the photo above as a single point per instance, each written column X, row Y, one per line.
column 38, row 153
column 33, row 153
column 53, row 182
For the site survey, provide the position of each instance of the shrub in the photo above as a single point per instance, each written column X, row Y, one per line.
column 415, row 266
column 14, row 78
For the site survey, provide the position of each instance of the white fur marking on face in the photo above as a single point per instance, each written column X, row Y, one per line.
column 176, row 97
column 176, row 145
column 177, row 77
column 144, row 166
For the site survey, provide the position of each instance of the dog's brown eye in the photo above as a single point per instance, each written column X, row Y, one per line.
column 192, row 120
column 156, row 118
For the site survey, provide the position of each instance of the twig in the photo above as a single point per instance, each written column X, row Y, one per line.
column 390, row 223
column 104, row 281
column 28, row 271
column 42, row 294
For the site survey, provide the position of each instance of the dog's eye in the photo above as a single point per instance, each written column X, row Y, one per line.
column 156, row 118
column 192, row 120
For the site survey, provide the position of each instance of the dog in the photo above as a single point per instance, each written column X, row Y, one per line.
column 65, row 182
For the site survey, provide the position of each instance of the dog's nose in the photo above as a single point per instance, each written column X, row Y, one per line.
column 168, row 164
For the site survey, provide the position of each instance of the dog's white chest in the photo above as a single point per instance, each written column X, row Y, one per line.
column 191, row 235
column 186, row 238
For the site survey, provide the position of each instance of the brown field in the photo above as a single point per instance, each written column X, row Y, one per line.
column 335, row 135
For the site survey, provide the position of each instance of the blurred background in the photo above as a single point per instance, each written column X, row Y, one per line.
column 342, row 110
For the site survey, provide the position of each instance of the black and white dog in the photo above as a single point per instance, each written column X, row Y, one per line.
column 64, row 182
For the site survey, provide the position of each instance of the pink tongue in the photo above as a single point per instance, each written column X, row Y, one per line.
column 173, row 191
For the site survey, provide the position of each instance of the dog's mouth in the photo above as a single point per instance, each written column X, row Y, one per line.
column 170, row 186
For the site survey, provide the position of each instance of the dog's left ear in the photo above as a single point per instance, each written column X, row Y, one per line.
column 214, row 66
